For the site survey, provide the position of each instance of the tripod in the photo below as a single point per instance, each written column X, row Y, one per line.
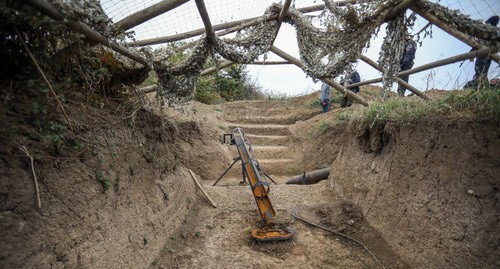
column 243, row 172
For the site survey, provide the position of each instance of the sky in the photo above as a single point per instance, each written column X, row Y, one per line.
column 291, row 80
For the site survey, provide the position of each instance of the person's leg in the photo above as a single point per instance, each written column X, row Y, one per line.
column 343, row 102
column 404, row 66
column 325, row 104
column 401, row 88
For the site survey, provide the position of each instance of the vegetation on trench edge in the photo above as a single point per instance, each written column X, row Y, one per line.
column 483, row 104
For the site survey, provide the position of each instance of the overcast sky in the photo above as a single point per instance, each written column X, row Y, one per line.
column 289, row 79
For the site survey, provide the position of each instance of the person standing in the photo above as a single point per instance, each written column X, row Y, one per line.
column 482, row 64
column 355, row 78
column 324, row 97
column 406, row 61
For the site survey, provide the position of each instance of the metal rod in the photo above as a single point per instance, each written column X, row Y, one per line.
column 227, row 170
column 270, row 178
column 49, row 10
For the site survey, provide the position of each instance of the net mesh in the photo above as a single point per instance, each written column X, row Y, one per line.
column 326, row 48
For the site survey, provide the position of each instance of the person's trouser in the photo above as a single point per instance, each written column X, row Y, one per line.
column 325, row 104
column 345, row 101
column 404, row 66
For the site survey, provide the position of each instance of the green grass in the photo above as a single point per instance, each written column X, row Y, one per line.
column 483, row 104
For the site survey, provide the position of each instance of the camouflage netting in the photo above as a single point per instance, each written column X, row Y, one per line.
column 89, row 12
column 325, row 50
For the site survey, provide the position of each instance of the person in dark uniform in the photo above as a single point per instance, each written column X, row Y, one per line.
column 482, row 64
column 406, row 61
column 355, row 78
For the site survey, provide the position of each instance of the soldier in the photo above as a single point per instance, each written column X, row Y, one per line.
column 406, row 62
column 355, row 78
column 482, row 64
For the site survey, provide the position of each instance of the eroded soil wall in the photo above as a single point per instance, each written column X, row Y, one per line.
column 430, row 188
column 109, row 200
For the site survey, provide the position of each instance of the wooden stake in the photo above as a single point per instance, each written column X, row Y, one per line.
column 32, row 165
column 201, row 188
column 45, row 79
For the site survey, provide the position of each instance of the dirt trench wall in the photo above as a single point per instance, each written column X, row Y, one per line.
column 431, row 189
column 83, row 225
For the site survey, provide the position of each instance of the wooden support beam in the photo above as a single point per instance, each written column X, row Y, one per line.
column 147, row 89
column 284, row 10
column 185, row 35
column 328, row 81
column 454, row 59
column 400, row 8
column 236, row 25
column 206, row 19
column 365, row 82
column 51, row 11
column 214, row 69
column 451, row 31
column 470, row 55
column 148, row 13
column 399, row 80
column 269, row 62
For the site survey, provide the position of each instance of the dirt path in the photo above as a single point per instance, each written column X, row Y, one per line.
column 220, row 237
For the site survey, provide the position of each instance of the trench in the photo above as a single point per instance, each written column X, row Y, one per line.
column 220, row 237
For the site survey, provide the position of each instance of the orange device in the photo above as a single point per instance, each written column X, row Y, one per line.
column 260, row 190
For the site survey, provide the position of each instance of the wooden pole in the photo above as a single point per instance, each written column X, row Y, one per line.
column 201, row 188
column 49, row 10
column 454, row 59
column 147, row 89
column 269, row 62
column 214, row 69
column 148, row 13
column 400, row 8
column 399, row 80
column 365, row 82
column 49, row 85
column 451, row 31
column 236, row 25
column 206, row 19
column 330, row 82
column 483, row 52
column 284, row 10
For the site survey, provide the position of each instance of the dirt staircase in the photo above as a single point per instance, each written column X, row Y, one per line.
column 269, row 136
